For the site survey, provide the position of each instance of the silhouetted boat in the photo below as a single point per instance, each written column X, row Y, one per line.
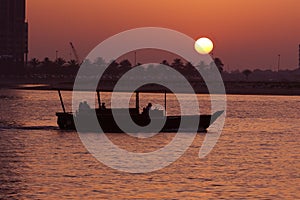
column 84, row 119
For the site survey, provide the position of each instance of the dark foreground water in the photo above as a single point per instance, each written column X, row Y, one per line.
column 256, row 157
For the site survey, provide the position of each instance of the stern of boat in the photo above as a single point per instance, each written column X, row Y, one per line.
column 65, row 121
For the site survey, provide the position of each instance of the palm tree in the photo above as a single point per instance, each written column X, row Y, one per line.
column 34, row 62
column 247, row 72
column 189, row 65
column 191, row 70
column 73, row 63
column 177, row 63
column 165, row 62
column 100, row 62
column 60, row 62
column 114, row 63
column 219, row 64
column 125, row 63
column 47, row 62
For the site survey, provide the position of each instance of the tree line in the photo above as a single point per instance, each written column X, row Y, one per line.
column 115, row 69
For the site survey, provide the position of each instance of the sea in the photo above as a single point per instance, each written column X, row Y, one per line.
column 257, row 155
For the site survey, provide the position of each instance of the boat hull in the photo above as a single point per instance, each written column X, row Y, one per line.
column 86, row 123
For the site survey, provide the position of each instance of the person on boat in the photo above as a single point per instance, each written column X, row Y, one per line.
column 84, row 106
column 103, row 107
column 147, row 109
column 80, row 106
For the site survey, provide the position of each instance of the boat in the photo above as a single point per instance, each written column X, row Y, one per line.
column 85, row 123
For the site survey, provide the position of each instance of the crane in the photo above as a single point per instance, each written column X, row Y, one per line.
column 75, row 53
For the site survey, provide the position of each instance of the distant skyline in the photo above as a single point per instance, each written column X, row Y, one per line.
column 246, row 34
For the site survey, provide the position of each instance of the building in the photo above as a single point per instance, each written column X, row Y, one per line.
column 299, row 57
column 13, row 31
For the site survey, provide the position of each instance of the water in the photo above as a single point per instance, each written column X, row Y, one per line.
column 256, row 157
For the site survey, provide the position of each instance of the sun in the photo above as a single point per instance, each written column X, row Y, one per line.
column 204, row 45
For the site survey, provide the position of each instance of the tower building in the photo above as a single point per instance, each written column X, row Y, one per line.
column 13, row 31
column 299, row 57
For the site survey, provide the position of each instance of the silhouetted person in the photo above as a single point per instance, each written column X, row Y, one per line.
column 147, row 109
column 80, row 106
column 103, row 107
column 84, row 107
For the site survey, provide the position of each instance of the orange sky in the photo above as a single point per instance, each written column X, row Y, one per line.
column 246, row 33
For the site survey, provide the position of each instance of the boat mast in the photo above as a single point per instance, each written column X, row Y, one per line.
column 165, row 103
column 99, row 100
column 137, row 101
column 61, row 101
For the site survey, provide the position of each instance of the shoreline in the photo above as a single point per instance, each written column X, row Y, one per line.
column 234, row 88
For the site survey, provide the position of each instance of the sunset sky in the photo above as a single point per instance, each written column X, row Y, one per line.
column 246, row 33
